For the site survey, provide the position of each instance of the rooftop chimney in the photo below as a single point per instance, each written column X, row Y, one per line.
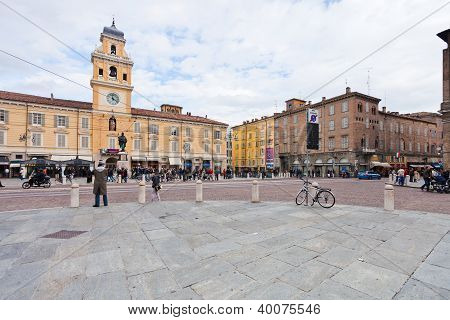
column 51, row 96
column 348, row 90
column 384, row 109
column 324, row 98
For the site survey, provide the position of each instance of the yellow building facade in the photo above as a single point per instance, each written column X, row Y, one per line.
column 253, row 145
column 57, row 129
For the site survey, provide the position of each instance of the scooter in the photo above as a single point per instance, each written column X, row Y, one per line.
column 33, row 182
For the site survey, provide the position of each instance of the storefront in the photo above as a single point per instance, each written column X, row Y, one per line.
column 4, row 166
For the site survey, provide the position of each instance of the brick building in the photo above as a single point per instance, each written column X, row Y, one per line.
column 445, row 106
column 354, row 135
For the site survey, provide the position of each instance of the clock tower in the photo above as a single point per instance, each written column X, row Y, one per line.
column 111, row 80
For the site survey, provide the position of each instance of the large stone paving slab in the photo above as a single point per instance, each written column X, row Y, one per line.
column 225, row 250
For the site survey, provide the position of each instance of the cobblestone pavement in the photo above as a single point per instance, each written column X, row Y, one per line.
column 225, row 250
column 347, row 191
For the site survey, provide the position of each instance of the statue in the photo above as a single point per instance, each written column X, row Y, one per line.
column 122, row 142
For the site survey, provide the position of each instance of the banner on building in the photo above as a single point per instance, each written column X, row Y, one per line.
column 269, row 155
column 312, row 130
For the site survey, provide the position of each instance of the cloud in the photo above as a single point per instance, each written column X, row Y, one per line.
column 235, row 60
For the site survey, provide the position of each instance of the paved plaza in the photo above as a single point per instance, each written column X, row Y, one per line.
column 347, row 192
column 224, row 250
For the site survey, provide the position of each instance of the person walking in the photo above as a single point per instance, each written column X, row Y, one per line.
column 401, row 176
column 426, row 179
column 100, row 184
column 1, row 185
column 156, row 185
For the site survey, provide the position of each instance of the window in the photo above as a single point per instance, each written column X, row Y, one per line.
column 345, row 106
column 391, row 127
column 217, row 135
column 285, row 121
column 112, row 143
column 187, row 132
column 401, row 128
column 61, row 140
column 61, row 121
column 345, row 122
column 418, row 146
column 391, row 146
column 426, row 149
column 410, row 147
column 137, row 144
column 276, row 135
column 84, row 142
column 218, row 148
column 154, row 129
column 36, row 139
column 331, row 125
column 187, row 147
column 344, row 142
column 174, row 131
column 206, row 134
column 276, row 123
column 37, row 119
column 381, row 125
column 154, row 145
column 84, row 123
column 402, row 145
column 367, row 107
column 425, row 132
column 113, row 49
column 295, row 120
column 330, row 143
column 319, row 112
column 2, row 137
column 100, row 72
column 285, row 134
column 124, row 77
column 174, row 146
column 206, row 147
column 137, row 127
column 331, row 110
column 418, row 131
column 410, row 130
column 396, row 127
column 360, row 107
column 367, row 123
column 295, row 132
column 3, row 116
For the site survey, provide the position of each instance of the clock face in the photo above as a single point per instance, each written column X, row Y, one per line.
column 113, row 98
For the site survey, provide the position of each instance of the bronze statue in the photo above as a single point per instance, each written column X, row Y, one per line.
column 122, row 142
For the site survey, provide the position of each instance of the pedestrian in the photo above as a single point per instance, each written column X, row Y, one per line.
column 156, row 185
column 401, row 176
column 426, row 179
column 100, row 184
column 1, row 185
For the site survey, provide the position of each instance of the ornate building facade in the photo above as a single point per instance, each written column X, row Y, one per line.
column 445, row 106
column 57, row 129
column 354, row 134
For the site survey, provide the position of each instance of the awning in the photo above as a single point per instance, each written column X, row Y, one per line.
column 137, row 158
column 374, row 164
column 14, row 165
column 61, row 158
column 152, row 159
column 175, row 161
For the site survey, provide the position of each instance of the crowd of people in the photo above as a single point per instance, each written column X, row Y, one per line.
column 427, row 174
column 206, row 174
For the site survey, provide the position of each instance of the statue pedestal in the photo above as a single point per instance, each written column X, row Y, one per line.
column 123, row 156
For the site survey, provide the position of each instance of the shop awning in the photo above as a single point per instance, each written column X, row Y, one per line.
column 61, row 158
column 138, row 158
column 374, row 164
column 175, row 161
column 152, row 159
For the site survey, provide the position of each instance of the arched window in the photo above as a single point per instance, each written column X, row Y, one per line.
column 402, row 145
column 433, row 149
column 360, row 107
column 376, row 143
column 363, row 142
column 113, row 72
column 113, row 49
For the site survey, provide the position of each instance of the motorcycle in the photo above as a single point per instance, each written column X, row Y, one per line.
column 33, row 182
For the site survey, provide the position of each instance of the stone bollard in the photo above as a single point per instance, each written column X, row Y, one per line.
column 141, row 198
column 255, row 191
column 389, row 197
column 75, row 195
column 199, row 191
column 406, row 181
column 391, row 177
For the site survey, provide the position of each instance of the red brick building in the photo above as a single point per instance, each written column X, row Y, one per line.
column 445, row 106
column 354, row 135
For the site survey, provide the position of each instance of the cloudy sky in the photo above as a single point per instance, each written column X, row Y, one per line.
column 234, row 60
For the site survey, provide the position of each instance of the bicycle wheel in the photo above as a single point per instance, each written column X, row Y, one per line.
column 325, row 199
column 301, row 196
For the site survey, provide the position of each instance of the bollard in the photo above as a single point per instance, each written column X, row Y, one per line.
column 406, row 181
column 388, row 197
column 255, row 191
column 199, row 191
column 141, row 197
column 75, row 195
column 391, row 177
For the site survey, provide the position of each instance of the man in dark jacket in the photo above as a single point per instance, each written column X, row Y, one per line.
column 100, row 184
column 427, row 179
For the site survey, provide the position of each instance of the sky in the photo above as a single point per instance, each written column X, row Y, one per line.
column 233, row 60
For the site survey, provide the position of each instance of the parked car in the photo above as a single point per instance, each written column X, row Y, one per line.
column 369, row 175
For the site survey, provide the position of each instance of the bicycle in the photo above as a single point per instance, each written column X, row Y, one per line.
column 323, row 196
